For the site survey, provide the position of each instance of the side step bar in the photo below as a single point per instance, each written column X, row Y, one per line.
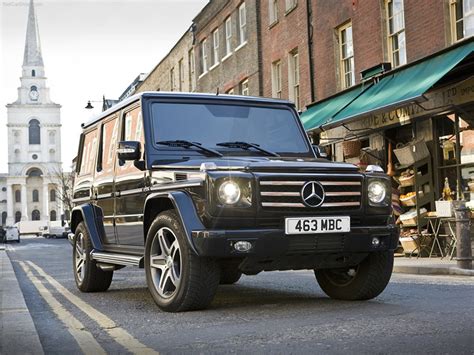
column 117, row 259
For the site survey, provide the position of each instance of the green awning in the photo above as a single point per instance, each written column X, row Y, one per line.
column 395, row 88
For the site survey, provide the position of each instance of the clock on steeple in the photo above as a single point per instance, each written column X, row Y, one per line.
column 34, row 94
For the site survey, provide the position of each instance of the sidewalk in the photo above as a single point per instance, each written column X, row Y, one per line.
column 428, row 266
column 18, row 334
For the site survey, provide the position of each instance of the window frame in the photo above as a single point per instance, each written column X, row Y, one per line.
column 204, row 64
column 172, row 81
column 244, row 87
column 455, row 21
column 294, row 90
column 215, row 47
column 272, row 12
column 290, row 5
column 346, row 59
column 180, row 75
column 242, row 24
column 391, row 36
column 192, row 70
column 276, row 79
column 228, row 36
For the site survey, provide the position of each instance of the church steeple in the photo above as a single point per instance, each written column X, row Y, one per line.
column 32, row 55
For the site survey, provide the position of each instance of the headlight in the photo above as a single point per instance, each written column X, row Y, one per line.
column 377, row 192
column 229, row 193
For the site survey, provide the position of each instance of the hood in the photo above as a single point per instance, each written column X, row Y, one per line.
column 257, row 164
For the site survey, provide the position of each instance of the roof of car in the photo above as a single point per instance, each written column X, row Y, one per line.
column 182, row 95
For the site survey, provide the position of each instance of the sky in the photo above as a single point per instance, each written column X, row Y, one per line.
column 90, row 48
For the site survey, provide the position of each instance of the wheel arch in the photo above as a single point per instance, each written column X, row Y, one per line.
column 92, row 217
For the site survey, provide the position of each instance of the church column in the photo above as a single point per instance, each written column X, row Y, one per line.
column 10, row 214
column 45, row 215
column 24, row 203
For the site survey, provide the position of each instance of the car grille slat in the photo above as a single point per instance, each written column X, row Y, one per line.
column 342, row 193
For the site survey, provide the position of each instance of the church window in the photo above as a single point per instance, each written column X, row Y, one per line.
column 34, row 172
column 4, row 218
column 35, row 215
column 17, row 196
column 33, row 72
column 52, row 215
column 52, row 137
column 52, row 195
column 17, row 216
column 34, row 132
column 35, row 196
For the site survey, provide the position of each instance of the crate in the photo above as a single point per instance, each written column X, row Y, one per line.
column 407, row 180
column 352, row 148
column 412, row 152
column 444, row 208
column 410, row 244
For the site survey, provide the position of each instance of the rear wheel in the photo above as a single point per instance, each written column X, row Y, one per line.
column 362, row 282
column 178, row 279
column 89, row 277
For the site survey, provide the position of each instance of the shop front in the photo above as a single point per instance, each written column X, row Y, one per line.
column 417, row 122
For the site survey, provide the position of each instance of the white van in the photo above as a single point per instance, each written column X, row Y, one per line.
column 55, row 230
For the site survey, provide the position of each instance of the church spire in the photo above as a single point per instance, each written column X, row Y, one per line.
column 32, row 56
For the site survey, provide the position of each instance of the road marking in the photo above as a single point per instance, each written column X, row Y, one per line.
column 84, row 339
column 120, row 335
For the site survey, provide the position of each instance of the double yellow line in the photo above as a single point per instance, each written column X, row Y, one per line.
column 83, row 337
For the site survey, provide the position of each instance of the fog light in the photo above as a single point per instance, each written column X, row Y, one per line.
column 375, row 242
column 242, row 246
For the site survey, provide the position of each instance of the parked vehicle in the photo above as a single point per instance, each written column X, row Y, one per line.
column 12, row 234
column 30, row 227
column 198, row 189
column 55, row 229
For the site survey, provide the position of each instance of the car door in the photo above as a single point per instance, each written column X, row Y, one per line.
column 104, row 175
column 129, row 184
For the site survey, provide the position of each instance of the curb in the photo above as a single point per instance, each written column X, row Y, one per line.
column 427, row 270
column 18, row 334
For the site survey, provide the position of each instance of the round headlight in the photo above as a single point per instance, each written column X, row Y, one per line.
column 377, row 192
column 229, row 193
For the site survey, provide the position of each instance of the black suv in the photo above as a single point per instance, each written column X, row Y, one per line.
column 198, row 189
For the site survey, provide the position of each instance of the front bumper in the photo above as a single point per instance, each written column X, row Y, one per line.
column 273, row 243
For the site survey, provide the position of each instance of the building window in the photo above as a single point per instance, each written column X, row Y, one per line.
column 34, row 132
column 4, row 218
column 276, row 79
column 244, row 87
column 346, row 61
column 462, row 19
column 192, row 70
column 294, row 77
column 35, row 215
column 215, row 47
column 181, row 75
column 35, row 196
column 52, row 195
column 230, row 91
column 17, row 196
column 228, row 36
column 290, row 4
column 242, row 24
column 17, row 216
column 396, row 32
column 33, row 73
column 52, row 215
column 272, row 11
column 172, row 79
column 203, row 56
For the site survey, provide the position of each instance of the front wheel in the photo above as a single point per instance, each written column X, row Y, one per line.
column 178, row 279
column 362, row 282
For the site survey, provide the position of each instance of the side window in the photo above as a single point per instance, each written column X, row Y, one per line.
column 132, row 131
column 109, row 142
column 88, row 152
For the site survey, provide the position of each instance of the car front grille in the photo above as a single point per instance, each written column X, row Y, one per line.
column 342, row 193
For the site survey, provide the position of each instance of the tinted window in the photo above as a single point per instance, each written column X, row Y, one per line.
column 275, row 129
column 88, row 152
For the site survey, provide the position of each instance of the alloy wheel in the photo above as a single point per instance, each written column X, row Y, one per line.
column 80, row 257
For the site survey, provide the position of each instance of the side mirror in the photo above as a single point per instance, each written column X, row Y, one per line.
column 129, row 150
column 319, row 151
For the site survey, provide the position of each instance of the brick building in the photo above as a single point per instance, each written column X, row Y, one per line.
column 226, row 47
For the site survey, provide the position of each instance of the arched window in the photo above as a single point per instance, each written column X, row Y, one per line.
column 4, row 218
column 17, row 196
column 52, row 195
column 35, row 215
column 34, row 132
column 35, row 196
column 52, row 215
column 17, row 216
column 34, row 172
column 33, row 72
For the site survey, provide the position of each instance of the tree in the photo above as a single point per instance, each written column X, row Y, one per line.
column 63, row 184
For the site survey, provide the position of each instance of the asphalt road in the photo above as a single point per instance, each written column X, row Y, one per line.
column 278, row 312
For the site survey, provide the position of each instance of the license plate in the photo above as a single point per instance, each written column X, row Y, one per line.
column 315, row 225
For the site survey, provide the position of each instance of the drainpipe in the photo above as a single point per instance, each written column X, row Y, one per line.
column 259, row 48
column 309, row 21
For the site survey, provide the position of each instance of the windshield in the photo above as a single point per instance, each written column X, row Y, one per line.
column 273, row 129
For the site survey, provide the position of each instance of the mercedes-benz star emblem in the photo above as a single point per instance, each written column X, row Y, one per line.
column 313, row 194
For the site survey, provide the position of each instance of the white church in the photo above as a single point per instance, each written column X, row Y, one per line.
column 29, row 190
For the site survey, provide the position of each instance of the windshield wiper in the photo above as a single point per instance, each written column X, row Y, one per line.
column 246, row 146
column 188, row 144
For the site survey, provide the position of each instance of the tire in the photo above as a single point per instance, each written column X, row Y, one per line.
column 363, row 282
column 89, row 277
column 229, row 275
column 177, row 279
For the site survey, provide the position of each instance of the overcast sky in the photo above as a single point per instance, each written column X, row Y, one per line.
column 90, row 48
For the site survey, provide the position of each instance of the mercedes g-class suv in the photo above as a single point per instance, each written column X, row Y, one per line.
column 199, row 189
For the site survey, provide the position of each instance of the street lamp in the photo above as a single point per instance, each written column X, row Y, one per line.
column 89, row 103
